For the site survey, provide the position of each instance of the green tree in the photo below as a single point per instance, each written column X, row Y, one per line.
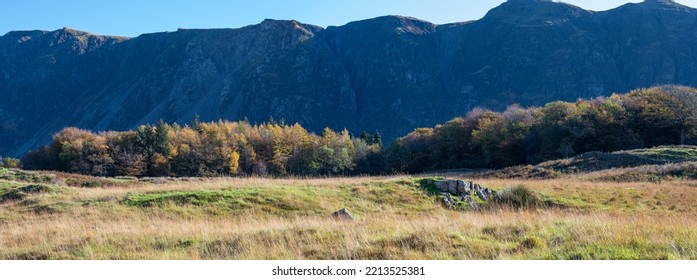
column 162, row 138
column 145, row 140
column 411, row 153
column 668, row 109
column 10, row 162
column 502, row 136
column 376, row 139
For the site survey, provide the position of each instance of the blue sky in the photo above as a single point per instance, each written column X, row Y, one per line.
column 134, row 17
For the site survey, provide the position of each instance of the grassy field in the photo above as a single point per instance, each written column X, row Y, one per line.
column 62, row 216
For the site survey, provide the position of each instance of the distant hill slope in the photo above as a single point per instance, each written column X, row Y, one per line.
column 391, row 74
column 658, row 163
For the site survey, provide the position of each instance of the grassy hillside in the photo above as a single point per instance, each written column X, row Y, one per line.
column 655, row 164
column 61, row 216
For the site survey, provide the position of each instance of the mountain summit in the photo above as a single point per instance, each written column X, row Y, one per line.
column 391, row 73
column 663, row 4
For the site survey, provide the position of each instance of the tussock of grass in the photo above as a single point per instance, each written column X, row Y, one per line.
column 13, row 194
column 519, row 197
column 10, row 192
column 509, row 233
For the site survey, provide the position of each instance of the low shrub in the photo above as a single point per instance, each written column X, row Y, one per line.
column 518, row 197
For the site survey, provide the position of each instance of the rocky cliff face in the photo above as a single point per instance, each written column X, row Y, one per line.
column 391, row 73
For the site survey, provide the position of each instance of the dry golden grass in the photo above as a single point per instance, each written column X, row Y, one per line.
column 655, row 198
column 256, row 218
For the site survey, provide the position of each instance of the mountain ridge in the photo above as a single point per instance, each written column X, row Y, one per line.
column 389, row 73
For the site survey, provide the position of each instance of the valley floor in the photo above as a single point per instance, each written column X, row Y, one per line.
column 395, row 218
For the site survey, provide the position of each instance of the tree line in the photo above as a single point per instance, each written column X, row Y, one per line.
column 483, row 138
column 648, row 117
column 208, row 149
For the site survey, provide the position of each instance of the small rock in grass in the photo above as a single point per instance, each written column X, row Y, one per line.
column 462, row 187
column 343, row 214
column 452, row 187
column 481, row 194
column 447, row 201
